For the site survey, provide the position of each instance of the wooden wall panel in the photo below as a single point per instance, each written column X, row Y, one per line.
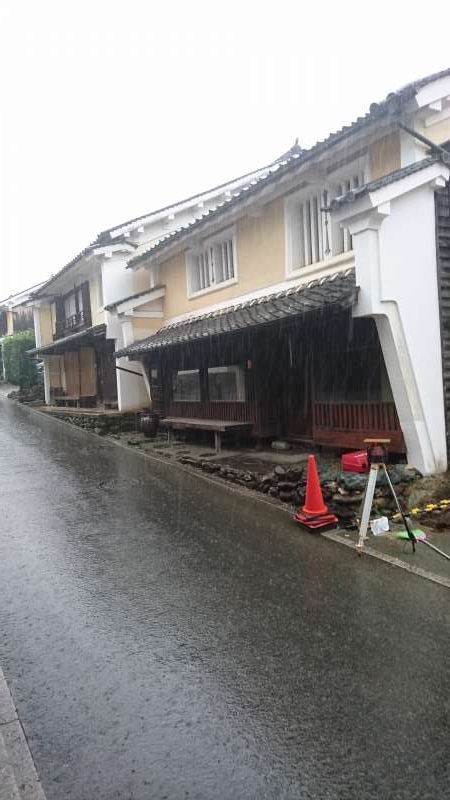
column 72, row 370
column 88, row 372
column 55, row 369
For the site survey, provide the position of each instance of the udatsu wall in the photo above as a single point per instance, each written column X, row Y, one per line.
column 394, row 242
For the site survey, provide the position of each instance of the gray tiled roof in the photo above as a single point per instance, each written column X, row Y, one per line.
column 338, row 289
column 64, row 269
column 112, row 306
column 86, row 250
column 380, row 183
column 105, row 235
column 16, row 298
column 59, row 345
column 392, row 104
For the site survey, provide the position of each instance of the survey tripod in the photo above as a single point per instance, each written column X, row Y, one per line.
column 377, row 453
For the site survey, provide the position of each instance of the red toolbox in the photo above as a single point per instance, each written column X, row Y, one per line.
column 355, row 462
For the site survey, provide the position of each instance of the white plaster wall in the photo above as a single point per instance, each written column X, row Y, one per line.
column 120, row 282
column 411, row 150
column 46, row 382
column 95, row 290
column 402, row 295
column 37, row 326
column 131, row 389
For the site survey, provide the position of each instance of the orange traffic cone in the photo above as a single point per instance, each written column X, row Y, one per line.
column 314, row 515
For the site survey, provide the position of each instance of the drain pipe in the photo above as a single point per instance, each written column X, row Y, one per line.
column 419, row 136
column 131, row 371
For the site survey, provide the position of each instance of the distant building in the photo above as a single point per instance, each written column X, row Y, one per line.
column 15, row 316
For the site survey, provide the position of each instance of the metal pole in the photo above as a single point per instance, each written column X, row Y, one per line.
column 433, row 547
column 367, row 507
column 402, row 513
column 131, row 371
column 421, row 138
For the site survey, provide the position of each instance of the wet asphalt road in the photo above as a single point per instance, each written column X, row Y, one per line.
column 165, row 638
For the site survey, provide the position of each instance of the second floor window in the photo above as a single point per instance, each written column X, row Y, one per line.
column 213, row 265
column 73, row 304
column 73, row 310
column 311, row 236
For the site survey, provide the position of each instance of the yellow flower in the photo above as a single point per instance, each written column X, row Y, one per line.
column 415, row 511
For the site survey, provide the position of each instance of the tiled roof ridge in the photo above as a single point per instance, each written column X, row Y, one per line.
column 390, row 104
column 84, row 252
column 292, row 156
column 21, row 291
column 191, row 197
column 63, row 269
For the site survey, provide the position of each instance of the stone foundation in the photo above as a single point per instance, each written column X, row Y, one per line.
column 102, row 424
column 342, row 491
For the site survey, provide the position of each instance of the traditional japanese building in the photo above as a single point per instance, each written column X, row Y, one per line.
column 312, row 303
column 94, row 305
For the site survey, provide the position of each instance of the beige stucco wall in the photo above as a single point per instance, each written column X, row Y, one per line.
column 260, row 262
column 145, row 327
column 9, row 323
column 439, row 132
column 45, row 321
column 53, row 316
column 384, row 156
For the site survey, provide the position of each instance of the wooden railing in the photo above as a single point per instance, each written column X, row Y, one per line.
column 348, row 424
column 75, row 322
column 229, row 412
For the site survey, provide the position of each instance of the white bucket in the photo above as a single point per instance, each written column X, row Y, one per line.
column 379, row 526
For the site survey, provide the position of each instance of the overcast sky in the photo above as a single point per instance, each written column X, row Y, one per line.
column 110, row 109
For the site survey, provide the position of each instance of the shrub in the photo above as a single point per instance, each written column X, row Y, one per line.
column 19, row 367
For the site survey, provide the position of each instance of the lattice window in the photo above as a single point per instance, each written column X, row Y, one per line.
column 215, row 264
column 226, row 384
column 186, row 386
column 311, row 237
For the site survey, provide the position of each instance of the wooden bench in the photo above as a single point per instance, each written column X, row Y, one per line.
column 215, row 425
